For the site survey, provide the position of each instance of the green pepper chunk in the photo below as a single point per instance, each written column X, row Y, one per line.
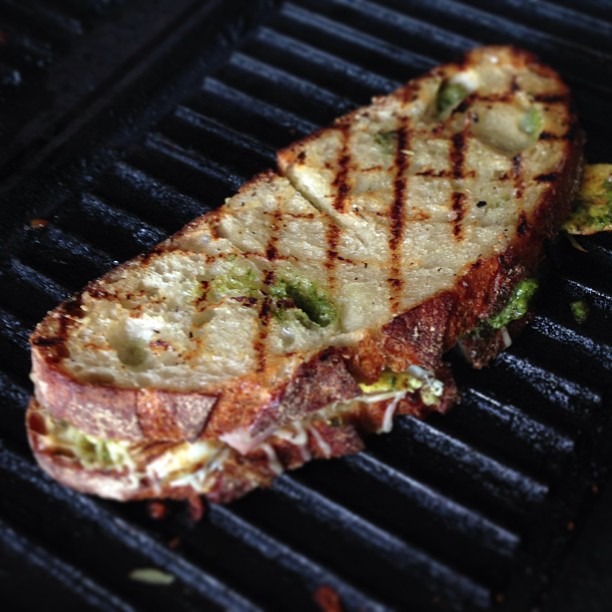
column 517, row 305
column 387, row 141
column 532, row 122
column 592, row 211
column 237, row 282
column 415, row 379
column 306, row 297
column 450, row 95
column 580, row 311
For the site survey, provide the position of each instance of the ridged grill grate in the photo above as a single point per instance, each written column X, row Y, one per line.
column 441, row 514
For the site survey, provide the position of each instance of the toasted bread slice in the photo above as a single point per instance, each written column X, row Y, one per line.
column 225, row 313
column 125, row 470
column 140, row 470
column 398, row 229
column 457, row 170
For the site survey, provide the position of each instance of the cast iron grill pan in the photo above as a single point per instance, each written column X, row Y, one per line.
column 462, row 512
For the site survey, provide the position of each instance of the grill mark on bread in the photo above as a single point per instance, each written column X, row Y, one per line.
column 523, row 225
column 458, row 199
column 457, row 154
column 519, row 186
column 201, row 300
column 245, row 300
column 517, row 176
column 431, row 173
column 271, row 250
column 397, row 215
column 341, row 185
column 551, row 177
column 458, row 207
column 72, row 311
column 554, row 137
column 343, row 167
column 333, row 237
column 265, row 311
column 506, row 96
column 552, row 98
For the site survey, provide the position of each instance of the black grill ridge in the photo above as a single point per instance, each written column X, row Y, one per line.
column 461, row 512
column 43, row 45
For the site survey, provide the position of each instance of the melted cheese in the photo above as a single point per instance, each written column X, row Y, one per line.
column 322, row 444
column 194, row 464
column 297, row 436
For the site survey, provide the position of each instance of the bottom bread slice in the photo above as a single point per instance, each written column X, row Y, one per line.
column 124, row 470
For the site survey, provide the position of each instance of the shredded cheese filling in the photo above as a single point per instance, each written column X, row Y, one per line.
column 194, row 464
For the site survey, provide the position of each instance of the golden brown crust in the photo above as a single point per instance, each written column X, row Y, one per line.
column 109, row 411
column 425, row 332
column 320, row 439
column 240, row 474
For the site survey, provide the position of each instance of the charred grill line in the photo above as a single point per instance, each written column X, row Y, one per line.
column 433, row 173
column 551, row 98
column 517, row 176
column 333, row 237
column 397, row 215
column 458, row 207
column 271, row 250
column 546, row 178
column 265, row 312
column 344, row 166
column 458, row 198
column 490, row 98
column 342, row 190
column 458, row 154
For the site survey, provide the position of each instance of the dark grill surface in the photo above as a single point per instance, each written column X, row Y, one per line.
column 123, row 119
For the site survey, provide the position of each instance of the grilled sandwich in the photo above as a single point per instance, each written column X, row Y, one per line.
column 318, row 302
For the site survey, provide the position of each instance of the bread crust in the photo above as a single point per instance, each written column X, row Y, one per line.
column 109, row 411
column 240, row 473
column 260, row 400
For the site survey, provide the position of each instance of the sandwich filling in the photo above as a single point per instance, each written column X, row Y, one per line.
column 196, row 464
column 592, row 211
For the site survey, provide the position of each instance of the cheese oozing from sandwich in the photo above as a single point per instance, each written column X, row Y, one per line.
column 197, row 464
